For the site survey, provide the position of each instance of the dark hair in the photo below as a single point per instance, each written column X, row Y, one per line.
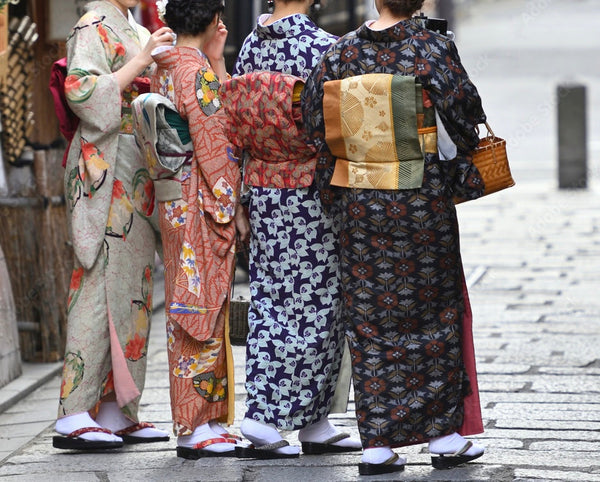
column 403, row 7
column 191, row 17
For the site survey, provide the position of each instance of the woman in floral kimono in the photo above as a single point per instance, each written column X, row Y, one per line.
column 406, row 308
column 197, row 208
column 110, row 199
column 295, row 340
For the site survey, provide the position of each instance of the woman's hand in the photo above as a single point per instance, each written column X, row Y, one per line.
column 125, row 75
column 214, row 48
column 241, row 224
column 163, row 37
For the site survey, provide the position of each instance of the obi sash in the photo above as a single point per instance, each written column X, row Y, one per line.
column 164, row 139
column 378, row 128
column 264, row 119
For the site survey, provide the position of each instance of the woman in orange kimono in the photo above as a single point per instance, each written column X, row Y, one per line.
column 197, row 207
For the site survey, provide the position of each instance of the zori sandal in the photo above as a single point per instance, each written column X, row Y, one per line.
column 232, row 438
column 199, row 450
column 449, row 461
column 386, row 467
column 267, row 451
column 327, row 446
column 74, row 442
column 133, row 439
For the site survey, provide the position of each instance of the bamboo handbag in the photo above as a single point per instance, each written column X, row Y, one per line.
column 491, row 161
column 238, row 321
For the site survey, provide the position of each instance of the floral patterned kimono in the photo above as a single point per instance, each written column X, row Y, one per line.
column 406, row 308
column 110, row 199
column 295, row 339
column 198, row 235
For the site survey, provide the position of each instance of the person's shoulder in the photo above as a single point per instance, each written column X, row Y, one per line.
column 91, row 17
column 430, row 37
column 345, row 40
column 314, row 30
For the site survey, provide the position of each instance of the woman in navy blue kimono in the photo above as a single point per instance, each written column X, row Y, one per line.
column 295, row 340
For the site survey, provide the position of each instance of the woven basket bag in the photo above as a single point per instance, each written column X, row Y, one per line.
column 491, row 161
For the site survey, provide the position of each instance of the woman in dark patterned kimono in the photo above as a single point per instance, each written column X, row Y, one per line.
column 405, row 304
column 295, row 342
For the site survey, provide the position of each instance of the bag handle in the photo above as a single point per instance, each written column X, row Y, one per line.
column 490, row 132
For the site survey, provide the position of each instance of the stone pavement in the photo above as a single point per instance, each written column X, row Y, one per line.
column 532, row 259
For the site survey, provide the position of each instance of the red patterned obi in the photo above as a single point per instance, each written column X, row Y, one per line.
column 264, row 118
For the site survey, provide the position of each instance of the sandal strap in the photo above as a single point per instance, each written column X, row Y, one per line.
column 392, row 460
column 336, row 438
column 134, row 428
column 232, row 436
column 81, row 431
column 466, row 447
column 210, row 441
column 273, row 446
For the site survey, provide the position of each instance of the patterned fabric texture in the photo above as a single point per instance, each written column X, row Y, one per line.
column 293, row 349
column 294, row 346
column 371, row 126
column 290, row 45
column 402, row 281
column 161, row 144
column 198, row 236
column 110, row 202
column 264, row 120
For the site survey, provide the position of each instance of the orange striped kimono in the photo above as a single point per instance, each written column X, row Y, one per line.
column 198, row 237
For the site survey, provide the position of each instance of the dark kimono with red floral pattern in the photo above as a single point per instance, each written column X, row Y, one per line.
column 405, row 304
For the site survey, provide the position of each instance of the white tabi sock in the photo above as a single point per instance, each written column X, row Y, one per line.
column 216, row 427
column 70, row 423
column 260, row 434
column 379, row 455
column 111, row 417
column 323, row 430
column 202, row 433
column 449, row 444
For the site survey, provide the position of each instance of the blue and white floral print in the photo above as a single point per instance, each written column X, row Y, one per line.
column 293, row 345
column 291, row 45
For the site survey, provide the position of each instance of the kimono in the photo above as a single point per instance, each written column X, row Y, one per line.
column 294, row 346
column 405, row 304
column 110, row 201
column 198, row 237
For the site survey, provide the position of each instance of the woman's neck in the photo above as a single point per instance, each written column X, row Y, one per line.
column 124, row 10
column 190, row 41
column 386, row 20
column 283, row 10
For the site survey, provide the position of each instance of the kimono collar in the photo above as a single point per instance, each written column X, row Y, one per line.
column 396, row 33
column 115, row 15
column 290, row 26
column 170, row 57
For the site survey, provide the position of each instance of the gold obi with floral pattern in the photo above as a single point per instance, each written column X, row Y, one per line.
column 379, row 128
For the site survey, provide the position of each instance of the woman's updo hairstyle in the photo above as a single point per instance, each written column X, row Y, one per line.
column 405, row 8
column 191, row 17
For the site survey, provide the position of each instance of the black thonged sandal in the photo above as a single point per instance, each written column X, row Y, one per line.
column 386, row 467
column 449, row 461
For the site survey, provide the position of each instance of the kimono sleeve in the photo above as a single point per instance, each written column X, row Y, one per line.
column 458, row 105
column 212, row 150
column 90, row 88
column 314, row 124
